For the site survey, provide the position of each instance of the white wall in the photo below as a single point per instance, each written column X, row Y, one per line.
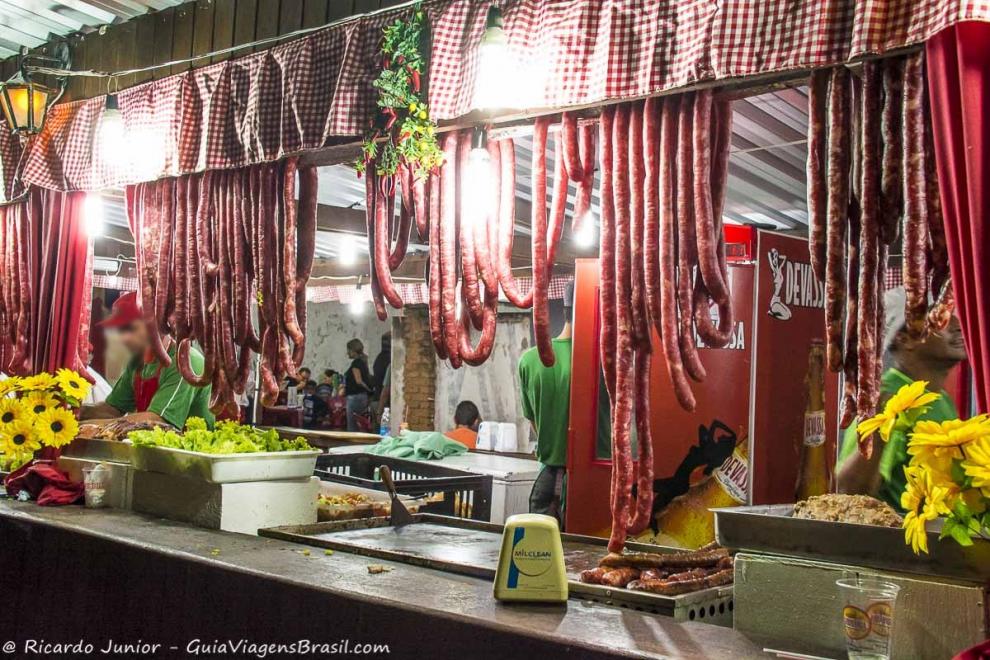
column 493, row 386
column 330, row 326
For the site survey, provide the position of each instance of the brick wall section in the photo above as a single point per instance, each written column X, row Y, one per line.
column 419, row 368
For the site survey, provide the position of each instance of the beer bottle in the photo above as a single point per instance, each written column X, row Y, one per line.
column 814, row 476
column 687, row 521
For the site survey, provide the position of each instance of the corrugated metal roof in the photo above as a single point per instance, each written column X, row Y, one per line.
column 31, row 23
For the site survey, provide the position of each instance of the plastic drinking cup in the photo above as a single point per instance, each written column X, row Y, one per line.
column 867, row 616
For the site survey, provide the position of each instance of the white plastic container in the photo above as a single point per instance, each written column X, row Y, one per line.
column 226, row 468
column 486, row 436
column 506, row 439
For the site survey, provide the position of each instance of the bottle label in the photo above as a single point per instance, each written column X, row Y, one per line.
column 733, row 476
column 814, row 428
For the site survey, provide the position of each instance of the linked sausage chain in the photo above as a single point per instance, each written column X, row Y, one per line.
column 239, row 240
column 858, row 210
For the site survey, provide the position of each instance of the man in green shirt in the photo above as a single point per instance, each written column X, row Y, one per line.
column 546, row 400
column 147, row 390
column 930, row 359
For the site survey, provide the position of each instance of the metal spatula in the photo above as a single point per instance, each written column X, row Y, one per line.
column 400, row 514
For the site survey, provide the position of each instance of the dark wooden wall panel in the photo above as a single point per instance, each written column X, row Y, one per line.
column 164, row 29
column 364, row 6
column 182, row 35
column 266, row 24
column 314, row 12
column 223, row 27
column 338, row 9
column 203, row 31
column 290, row 16
column 145, row 53
column 244, row 21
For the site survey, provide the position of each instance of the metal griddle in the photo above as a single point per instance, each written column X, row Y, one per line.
column 774, row 530
column 469, row 547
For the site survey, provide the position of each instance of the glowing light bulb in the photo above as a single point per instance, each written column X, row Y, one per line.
column 93, row 218
column 586, row 235
column 356, row 306
column 477, row 194
column 347, row 253
column 493, row 84
column 113, row 147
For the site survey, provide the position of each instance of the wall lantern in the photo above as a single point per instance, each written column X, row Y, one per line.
column 25, row 101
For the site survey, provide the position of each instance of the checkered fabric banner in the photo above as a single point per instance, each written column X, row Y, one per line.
column 307, row 93
column 414, row 293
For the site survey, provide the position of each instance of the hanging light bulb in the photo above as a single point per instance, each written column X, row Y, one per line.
column 93, row 220
column 356, row 306
column 586, row 235
column 347, row 252
column 111, row 133
column 494, row 80
column 478, row 179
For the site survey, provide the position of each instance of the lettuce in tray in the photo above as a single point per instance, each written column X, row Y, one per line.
column 227, row 438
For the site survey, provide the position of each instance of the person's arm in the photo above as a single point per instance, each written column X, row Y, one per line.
column 856, row 474
column 102, row 410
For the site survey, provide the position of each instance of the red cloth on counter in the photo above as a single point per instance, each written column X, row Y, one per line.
column 959, row 89
column 46, row 484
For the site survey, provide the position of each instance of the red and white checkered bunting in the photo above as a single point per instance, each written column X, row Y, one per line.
column 303, row 94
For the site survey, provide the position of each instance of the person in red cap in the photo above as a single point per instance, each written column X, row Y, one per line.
column 147, row 390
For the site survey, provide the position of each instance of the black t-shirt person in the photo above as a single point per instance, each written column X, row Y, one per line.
column 351, row 386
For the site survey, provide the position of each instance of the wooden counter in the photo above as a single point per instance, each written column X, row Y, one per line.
column 70, row 573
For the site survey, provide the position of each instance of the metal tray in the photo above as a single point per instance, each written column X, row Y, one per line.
column 471, row 547
column 97, row 449
column 225, row 468
column 773, row 530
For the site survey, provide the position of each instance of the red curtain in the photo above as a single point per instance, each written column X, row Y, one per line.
column 46, row 291
column 959, row 91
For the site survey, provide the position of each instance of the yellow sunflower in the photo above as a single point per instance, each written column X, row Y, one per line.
column 19, row 439
column 907, row 398
column 8, row 385
column 977, row 463
column 923, row 500
column 57, row 427
column 39, row 402
column 39, row 382
column 12, row 410
column 72, row 384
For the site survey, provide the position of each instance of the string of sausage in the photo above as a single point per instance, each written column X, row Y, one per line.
column 208, row 245
column 657, row 170
column 896, row 194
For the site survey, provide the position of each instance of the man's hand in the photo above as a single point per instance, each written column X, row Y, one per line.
column 858, row 475
column 144, row 417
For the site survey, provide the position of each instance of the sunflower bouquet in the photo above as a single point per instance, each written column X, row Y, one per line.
column 38, row 411
column 948, row 474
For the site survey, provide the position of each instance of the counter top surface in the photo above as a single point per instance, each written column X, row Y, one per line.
column 592, row 626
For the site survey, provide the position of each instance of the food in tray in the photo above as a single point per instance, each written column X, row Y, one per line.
column 117, row 429
column 345, row 499
column 859, row 509
column 668, row 574
column 226, row 438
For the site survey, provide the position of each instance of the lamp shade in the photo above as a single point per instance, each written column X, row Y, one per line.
column 24, row 104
